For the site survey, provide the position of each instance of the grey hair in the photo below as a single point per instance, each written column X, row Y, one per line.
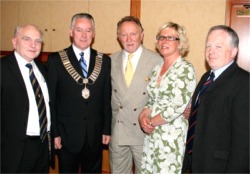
column 130, row 19
column 20, row 27
column 234, row 38
column 82, row 15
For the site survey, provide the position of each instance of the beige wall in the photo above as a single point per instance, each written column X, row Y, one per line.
column 197, row 16
column 53, row 18
column 107, row 13
column 9, row 20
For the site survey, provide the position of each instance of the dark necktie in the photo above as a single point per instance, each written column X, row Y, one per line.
column 40, row 102
column 83, row 65
column 192, row 119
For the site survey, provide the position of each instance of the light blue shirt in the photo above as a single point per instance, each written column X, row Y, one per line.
column 218, row 72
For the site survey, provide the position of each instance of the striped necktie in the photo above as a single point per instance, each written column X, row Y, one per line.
column 39, row 101
column 83, row 65
column 192, row 119
column 129, row 71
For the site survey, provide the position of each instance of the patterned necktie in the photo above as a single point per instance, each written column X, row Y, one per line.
column 83, row 65
column 192, row 119
column 39, row 101
column 129, row 72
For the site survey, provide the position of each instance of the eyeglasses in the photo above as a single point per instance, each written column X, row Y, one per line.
column 168, row 38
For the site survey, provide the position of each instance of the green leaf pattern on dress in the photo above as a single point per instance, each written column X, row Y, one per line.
column 164, row 148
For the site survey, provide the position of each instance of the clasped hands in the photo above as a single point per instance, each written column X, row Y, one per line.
column 145, row 121
column 148, row 126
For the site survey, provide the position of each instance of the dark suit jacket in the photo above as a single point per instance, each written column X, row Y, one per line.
column 77, row 118
column 221, row 139
column 14, row 112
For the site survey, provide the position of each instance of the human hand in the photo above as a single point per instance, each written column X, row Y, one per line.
column 148, row 128
column 145, row 122
column 106, row 139
column 144, row 116
column 187, row 111
column 57, row 143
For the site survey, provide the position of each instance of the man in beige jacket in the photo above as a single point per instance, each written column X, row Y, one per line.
column 129, row 95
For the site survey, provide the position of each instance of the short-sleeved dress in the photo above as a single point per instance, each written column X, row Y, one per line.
column 164, row 148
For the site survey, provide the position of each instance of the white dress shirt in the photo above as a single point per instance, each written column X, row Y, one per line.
column 33, row 126
column 134, row 60
column 86, row 54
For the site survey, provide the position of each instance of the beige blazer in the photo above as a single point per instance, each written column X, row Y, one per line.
column 128, row 102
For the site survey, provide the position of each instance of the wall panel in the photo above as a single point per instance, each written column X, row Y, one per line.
column 107, row 13
column 196, row 15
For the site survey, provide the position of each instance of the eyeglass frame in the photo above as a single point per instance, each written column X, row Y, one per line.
column 168, row 38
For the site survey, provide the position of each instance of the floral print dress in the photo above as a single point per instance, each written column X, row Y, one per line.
column 164, row 148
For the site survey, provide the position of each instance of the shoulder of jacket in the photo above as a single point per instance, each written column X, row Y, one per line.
column 115, row 54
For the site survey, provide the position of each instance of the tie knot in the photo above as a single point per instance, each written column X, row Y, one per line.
column 130, row 56
column 28, row 65
column 211, row 77
column 81, row 54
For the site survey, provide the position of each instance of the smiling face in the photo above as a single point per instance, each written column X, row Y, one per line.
column 130, row 36
column 28, row 42
column 168, row 48
column 82, row 33
column 219, row 50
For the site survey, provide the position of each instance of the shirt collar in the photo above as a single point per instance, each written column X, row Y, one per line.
column 21, row 61
column 137, row 53
column 78, row 51
column 218, row 72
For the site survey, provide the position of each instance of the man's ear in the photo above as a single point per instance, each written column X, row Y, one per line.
column 14, row 42
column 71, row 33
column 234, row 52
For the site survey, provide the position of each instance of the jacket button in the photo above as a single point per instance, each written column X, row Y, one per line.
column 134, row 124
column 144, row 93
column 120, row 107
column 115, row 90
column 135, row 109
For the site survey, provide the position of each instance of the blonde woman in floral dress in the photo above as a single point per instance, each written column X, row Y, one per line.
column 170, row 89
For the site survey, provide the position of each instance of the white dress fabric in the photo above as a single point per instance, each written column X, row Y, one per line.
column 164, row 148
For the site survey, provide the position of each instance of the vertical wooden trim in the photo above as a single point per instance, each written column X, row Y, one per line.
column 228, row 12
column 229, row 6
column 135, row 8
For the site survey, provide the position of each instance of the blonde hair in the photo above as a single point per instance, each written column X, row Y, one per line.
column 181, row 32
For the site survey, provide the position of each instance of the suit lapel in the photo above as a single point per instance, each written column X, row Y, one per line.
column 14, row 68
column 92, row 61
column 41, row 69
column 223, row 78
column 139, row 76
column 73, row 59
column 120, row 74
column 141, row 70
